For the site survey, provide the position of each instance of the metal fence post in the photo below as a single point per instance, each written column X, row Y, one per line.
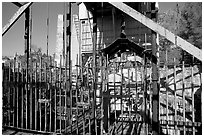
column 155, row 97
column 94, row 66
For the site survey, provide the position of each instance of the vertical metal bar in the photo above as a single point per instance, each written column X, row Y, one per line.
column 136, row 93
column 130, row 102
column 65, row 60
column 175, row 98
column 80, row 57
column 66, row 97
column 70, row 90
column 183, row 98
column 76, row 94
column 9, row 100
column 56, row 86
column 26, row 98
column 133, row 116
column 94, row 66
column 46, row 92
column 36, row 99
column 22, row 97
column 14, row 90
column 107, row 74
column 63, row 71
column 50, row 88
column 64, row 32
column 30, row 32
column 68, row 32
column 121, row 92
column 84, row 120
column 166, row 86
column 17, row 97
column 101, row 93
column 27, row 34
column 27, row 43
column 31, row 66
column 150, row 99
column 83, row 117
column 107, row 101
column 60, row 95
column 192, row 94
column 47, row 40
column 89, row 100
column 80, row 96
column 155, row 96
column 145, row 89
column 159, row 94
column 102, row 75
column 31, row 92
column 40, row 92
column 114, row 91
column 3, row 93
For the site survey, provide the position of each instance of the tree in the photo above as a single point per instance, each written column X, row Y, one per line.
column 191, row 23
column 170, row 21
column 186, row 22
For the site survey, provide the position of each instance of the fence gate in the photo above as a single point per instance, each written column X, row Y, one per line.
column 42, row 100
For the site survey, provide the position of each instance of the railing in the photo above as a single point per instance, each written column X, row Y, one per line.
column 39, row 99
column 36, row 99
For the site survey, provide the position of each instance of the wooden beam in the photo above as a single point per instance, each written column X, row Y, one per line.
column 188, row 47
column 17, row 4
column 15, row 17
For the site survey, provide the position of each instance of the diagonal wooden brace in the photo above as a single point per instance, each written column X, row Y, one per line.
column 15, row 17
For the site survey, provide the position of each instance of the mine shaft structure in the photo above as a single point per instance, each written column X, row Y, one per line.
column 118, row 85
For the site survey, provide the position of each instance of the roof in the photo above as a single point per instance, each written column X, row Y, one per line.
column 121, row 45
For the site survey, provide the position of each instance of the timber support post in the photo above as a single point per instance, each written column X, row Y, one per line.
column 155, row 99
column 27, row 45
column 94, row 67
column 27, row 34
column 68, row 54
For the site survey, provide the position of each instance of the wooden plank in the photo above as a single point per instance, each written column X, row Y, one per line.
column 17, row 4
column 15, row 17
column 188, row 47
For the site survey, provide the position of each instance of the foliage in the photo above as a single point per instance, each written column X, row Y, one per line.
column 168, row 20
column 34, row 58
column 191, row 23
column 186, row 22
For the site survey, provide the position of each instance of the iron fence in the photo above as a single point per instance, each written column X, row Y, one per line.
column 43, row 99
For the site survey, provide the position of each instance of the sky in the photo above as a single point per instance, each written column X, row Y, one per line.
column 13, row 40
